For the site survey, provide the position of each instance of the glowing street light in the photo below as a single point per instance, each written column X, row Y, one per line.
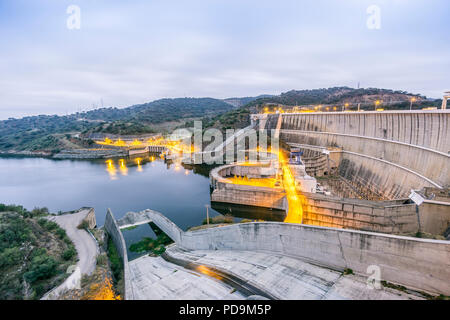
column 412, row 100
column 377, row 103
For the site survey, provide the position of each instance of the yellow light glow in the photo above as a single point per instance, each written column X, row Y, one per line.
column 138, row 162
column 111, row 169
column 205, row 270
column 259, row 182
column 295, row 212
column 122, row 167
column 136, row 142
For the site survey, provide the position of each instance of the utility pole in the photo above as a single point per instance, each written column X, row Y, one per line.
column 207, row 214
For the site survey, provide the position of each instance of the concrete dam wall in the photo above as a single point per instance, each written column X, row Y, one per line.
column 419, row 264
column 429, row 129
column 393, row 217
column 415, row 263
column 392, row 151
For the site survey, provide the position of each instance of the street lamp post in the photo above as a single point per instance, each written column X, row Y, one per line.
column 412, row 100
column 207, row 214
column 377, row 103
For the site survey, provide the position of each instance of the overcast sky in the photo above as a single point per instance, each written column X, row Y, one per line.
column 129, row 52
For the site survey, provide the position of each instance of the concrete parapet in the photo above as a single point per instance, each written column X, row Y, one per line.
column 146, row 216
column 114, row 232
column 415, row 263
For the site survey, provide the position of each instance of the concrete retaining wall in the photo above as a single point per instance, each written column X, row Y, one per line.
column 430, row 129
column 392, row 217
column 387, row 180
column 419, row 264
column 114, row 232
column 415, row 263
column 417, row 141
column 226, row 192
column 417, row 159
column 250, row 196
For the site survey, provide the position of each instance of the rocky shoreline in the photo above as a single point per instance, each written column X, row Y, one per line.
column 81, row 154
column 90, row 154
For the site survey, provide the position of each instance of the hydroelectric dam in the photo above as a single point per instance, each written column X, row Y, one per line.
column 370, row 186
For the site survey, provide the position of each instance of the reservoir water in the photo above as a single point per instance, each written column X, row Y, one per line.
column 122, row 185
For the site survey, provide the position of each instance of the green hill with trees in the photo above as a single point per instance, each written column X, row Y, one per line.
column 51, row 133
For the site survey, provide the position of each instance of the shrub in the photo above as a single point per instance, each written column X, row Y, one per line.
column 10, row 256
column 51, row 226
column 42, row 267
column 102, row 260
column 39, row 212
column 219, row 219
column 61, row 233
column 115, row 260
column 69, row 253
column 83, row 225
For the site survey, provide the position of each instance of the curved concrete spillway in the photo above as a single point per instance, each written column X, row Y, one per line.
column 419, row 264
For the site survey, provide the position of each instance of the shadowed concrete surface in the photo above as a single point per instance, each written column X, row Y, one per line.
column 156, row 279
column 287, row 278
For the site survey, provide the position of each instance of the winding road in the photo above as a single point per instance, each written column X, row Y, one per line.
column 85, row 245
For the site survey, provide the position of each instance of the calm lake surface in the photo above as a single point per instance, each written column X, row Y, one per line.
column 120, row 184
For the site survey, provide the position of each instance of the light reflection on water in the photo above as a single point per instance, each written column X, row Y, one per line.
column 125, row 184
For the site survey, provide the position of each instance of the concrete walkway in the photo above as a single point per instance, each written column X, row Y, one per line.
column 287, row 278
column 86, row 248
column 156, row 279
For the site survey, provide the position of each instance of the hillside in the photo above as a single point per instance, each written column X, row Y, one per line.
column 51, row 133
column 42, row 133
column 337, row 96
column 34, row 253
column 340, row 95
column 239, row 102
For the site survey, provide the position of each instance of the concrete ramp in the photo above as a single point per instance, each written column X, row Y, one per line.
column 286, row 278
column 156, row 279
column 137, row 218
